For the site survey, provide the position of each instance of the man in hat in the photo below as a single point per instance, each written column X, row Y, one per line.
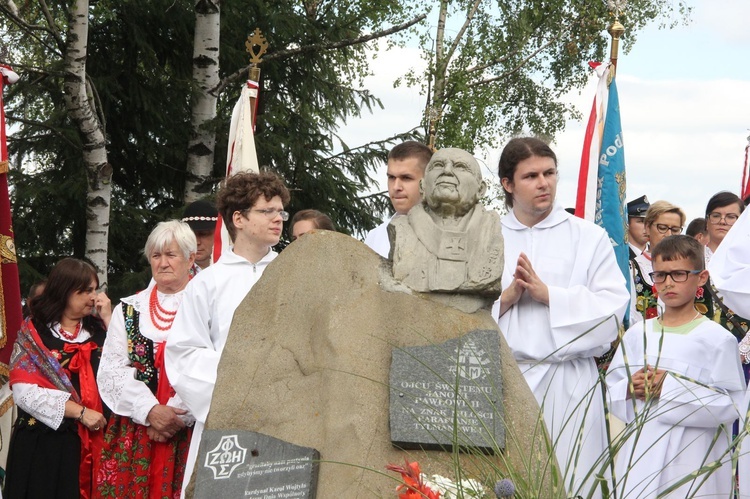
column 201, row 217
column 637, row 233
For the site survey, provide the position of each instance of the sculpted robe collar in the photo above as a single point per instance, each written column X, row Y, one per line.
column 447, row 244
column 557, row 216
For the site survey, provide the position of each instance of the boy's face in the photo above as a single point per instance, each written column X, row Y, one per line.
column 255, row 227
column 677, row 294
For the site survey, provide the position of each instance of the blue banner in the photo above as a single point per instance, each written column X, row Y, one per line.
column 610, row 191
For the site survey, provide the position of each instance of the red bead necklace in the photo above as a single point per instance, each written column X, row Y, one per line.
column 70, row 336
column 161, row 318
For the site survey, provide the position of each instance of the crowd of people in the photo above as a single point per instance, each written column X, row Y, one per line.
column 112, row 403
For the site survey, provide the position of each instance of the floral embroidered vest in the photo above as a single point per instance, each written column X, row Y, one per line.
column 140, row 350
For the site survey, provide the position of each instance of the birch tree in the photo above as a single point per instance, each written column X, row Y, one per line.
column 200, row 153
column 79, row 99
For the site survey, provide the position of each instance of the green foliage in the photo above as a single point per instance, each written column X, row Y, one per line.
column 140, row 65
column 516, row 59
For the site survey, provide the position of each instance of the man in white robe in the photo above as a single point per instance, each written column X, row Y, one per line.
column 200, row 329
column 563, row 299
column 406, row 165
column 730, row 272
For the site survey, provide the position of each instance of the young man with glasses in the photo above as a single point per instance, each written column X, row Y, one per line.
column 662, row 219
column 678, row 379
column 252, row 206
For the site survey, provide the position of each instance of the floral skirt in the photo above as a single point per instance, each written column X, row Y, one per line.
column 130, row 460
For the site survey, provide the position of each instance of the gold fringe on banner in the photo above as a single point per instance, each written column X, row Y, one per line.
column 4, row 166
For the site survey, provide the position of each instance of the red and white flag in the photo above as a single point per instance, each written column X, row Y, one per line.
column 241, row 154
column 588, row 174
column 745, row 187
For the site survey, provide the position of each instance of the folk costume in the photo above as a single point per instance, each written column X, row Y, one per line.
column 643, row 299
column 132, row 380
column 377, row 238
column 690, row 424
column 200, row 331
column 555, row 344
column 51, row 455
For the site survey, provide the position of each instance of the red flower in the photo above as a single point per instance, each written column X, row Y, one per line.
column 651, row 313
column 699, row 293
column 415, row 487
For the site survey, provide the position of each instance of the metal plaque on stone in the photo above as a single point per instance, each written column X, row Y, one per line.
column 246, row 464
column 448, row 394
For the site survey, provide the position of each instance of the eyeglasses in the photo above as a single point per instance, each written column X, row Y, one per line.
column 662, row 228
column 676, row 275
column 729, row 218
column 271, row 213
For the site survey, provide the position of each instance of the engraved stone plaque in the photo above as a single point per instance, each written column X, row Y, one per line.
column 245, row 464
column 448, row 394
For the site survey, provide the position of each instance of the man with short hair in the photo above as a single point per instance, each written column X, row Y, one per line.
column 406, row 164
column 252, row 208
column 563, row 297
column 637, row 234
column 201, row 216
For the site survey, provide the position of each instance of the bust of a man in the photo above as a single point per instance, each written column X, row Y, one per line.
column 449, row 243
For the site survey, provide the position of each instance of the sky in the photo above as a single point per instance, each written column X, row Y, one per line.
column 684, row 101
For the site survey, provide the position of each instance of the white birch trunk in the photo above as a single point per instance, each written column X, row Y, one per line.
column 82, row 112
column 205, row 77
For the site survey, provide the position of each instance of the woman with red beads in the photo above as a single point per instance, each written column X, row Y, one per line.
column 148, row 436
column 57, row 437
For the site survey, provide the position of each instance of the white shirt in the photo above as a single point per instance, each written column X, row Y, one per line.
column 377, row 239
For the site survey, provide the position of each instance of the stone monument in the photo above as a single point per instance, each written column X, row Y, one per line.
column 308, row 362
column 449, row 246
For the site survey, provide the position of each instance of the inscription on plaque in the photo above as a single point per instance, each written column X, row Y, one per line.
column 448, row 394
column 246, row 464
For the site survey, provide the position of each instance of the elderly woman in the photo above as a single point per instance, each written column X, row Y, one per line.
column 57, row 439
column 148, row 436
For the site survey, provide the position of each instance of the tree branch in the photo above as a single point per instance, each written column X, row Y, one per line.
column 29, row 29
column 282, row 54
column 52, row 26
column 457, row 40
column 516, row 68
column 40, row 125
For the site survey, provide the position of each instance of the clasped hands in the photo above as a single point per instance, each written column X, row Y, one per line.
column 525, row 280
column 165, row 422
column 647, row 381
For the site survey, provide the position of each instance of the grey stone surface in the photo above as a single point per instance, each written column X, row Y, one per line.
column 448, row 394
column 450, row 244
column 307, row 360
column 246, row 464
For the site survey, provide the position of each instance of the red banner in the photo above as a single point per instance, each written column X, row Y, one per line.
column 10, row 290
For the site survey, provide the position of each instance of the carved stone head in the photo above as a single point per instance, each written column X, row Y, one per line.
column 452, row 182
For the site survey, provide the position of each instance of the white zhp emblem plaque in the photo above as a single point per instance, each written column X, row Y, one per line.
column 225, row 457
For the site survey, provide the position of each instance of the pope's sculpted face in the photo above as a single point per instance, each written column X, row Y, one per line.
column 452, row 178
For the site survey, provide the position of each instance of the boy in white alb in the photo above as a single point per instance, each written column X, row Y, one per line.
column 252, row 206
column 677, row 382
